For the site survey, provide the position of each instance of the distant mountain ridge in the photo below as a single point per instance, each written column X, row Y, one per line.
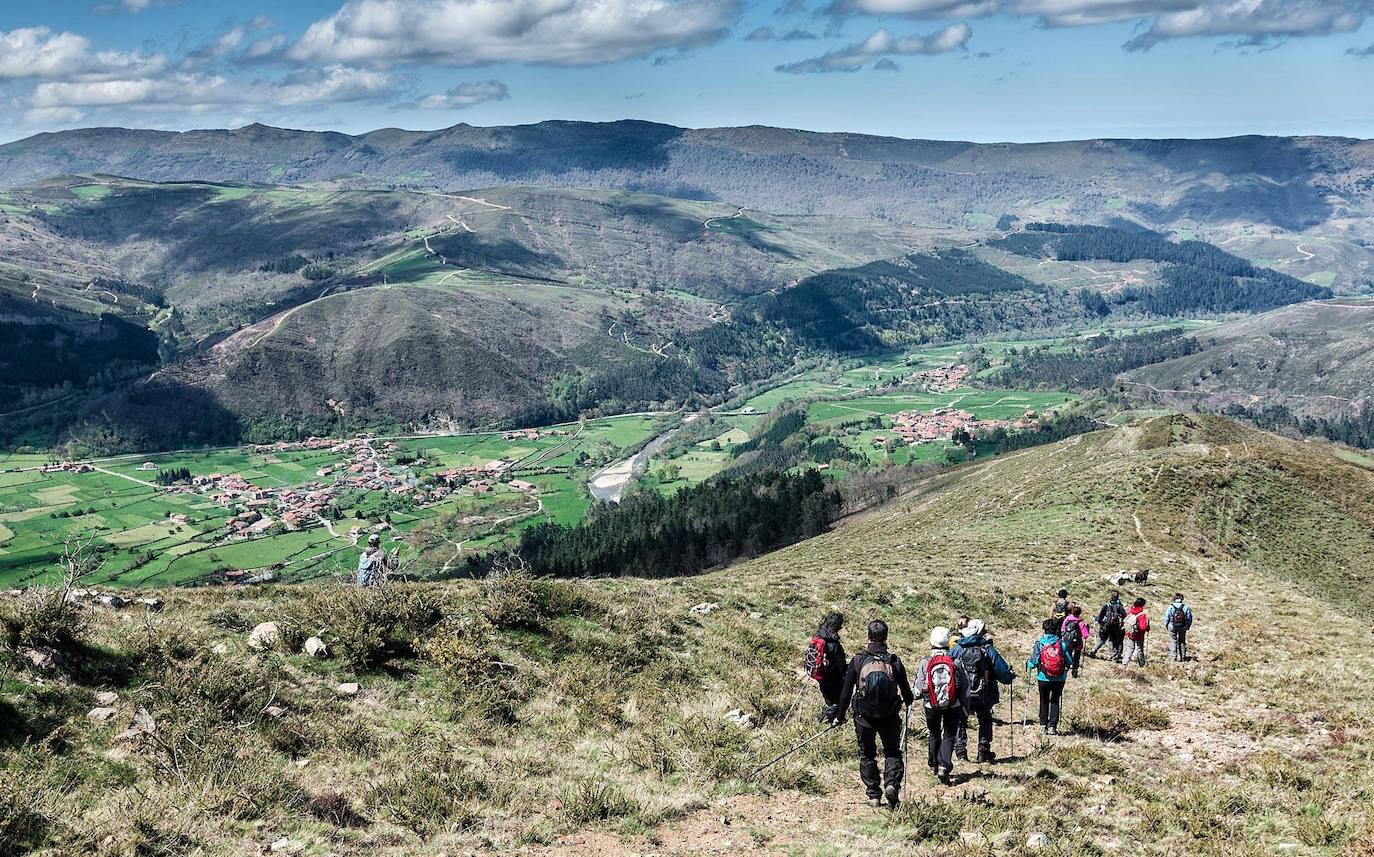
column 1290, row 183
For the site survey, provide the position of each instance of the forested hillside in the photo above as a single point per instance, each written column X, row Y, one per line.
column 1197, row 278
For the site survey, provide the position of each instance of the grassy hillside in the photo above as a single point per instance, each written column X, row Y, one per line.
column 591, row 716
column 1288, row 182
column 1313, row 358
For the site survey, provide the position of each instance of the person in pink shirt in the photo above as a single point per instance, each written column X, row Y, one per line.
column 1075, row 632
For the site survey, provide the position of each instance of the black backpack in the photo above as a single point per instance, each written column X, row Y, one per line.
column 1113, row 615
column 977, row 666
column 876, row 696
column 1072, row 637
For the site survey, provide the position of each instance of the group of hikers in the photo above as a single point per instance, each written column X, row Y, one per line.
column 959, row 681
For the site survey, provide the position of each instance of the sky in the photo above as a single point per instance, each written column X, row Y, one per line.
column 982, row 70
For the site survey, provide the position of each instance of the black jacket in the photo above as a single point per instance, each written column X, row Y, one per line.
column 832, row 684
column 851, row 679
column 1111, row 608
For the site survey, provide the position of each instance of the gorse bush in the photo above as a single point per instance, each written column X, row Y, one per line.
column 362, row 624
column 594, row 800
column 43, row 618
column 430, row 789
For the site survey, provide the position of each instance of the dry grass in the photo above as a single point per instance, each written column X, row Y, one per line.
column 589, row 716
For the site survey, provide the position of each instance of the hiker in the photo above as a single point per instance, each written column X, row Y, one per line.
column 983, row 669
column 372, row 563
column 942, row 686
column 877, row 684
column 1178, row 619
column 826, row 662
column 1111, row 626
column 1137, row 626
column 1061, row 607
column 1051, row 662
column 960, row 734
column 1075, row 633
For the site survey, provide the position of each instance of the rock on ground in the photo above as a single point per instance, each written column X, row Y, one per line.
column 316, row 648
column 264, row 636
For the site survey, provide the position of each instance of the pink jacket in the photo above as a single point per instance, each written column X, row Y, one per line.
column 1084, row 628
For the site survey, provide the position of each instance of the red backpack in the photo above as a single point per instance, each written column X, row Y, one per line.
column 1051, row 661
column 941, row 686
column 816, row 663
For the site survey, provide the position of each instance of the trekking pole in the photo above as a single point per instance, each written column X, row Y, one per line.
column 778, row 758
column 1011, row 720
column 906, row 733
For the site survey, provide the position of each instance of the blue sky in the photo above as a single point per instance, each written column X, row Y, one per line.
column 985, row 70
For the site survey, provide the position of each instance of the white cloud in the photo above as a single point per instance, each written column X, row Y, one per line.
column 466, row 95
column 914, row 8
column 54, row 115
column 1255, row 21
column 38, row 52
column 883, row 44
column 328, row 85
column 478, row 32
column 1082, row 13
column 1249, row 21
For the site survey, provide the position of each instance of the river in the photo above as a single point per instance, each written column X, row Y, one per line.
column 609, row 483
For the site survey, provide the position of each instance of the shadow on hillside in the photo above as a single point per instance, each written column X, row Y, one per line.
column 550, row 149
column 1294, row 207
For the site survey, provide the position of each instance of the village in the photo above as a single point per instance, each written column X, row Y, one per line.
column 361, row 467
column 942, row 379
column 915, row 427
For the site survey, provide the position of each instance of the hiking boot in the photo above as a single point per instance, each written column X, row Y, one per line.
column 890, row 793
column 963, row 757
column 1044, row 730
column 1053, row 730
column 987, row 758
column 875, row 802
column 943, row 776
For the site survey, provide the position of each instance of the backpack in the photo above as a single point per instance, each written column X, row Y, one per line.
column 816, row 663
column 1113, row 615
column 942, row 686
column 1178, row 619
column 1061, row 609
column 876, row 697
column 1072, row 636
column 1142, row 623
column 977, row 666
column 1052, row 661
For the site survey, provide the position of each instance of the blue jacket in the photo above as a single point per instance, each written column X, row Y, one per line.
column 1033, row 663
column 1187, row 615
column 1001, row 670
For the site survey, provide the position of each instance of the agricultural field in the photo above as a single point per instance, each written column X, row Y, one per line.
column 156, row 537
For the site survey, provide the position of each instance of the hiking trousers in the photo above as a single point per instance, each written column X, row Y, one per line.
column 1178, row 645
column 1135, row 651
column 983, row 714
column 942, row 723
column 1050, row 694
column 889, row 731
column 1115, row 639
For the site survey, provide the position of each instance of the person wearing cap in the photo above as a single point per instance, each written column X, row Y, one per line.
column 942, row 721
column 985, row 669
column 372, row 562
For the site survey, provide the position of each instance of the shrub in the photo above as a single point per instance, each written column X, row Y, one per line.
column 363, row 624
column 44, row 618
column 593, row 800
column 1109, row 714
column 430, row 790
column 24, row 815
